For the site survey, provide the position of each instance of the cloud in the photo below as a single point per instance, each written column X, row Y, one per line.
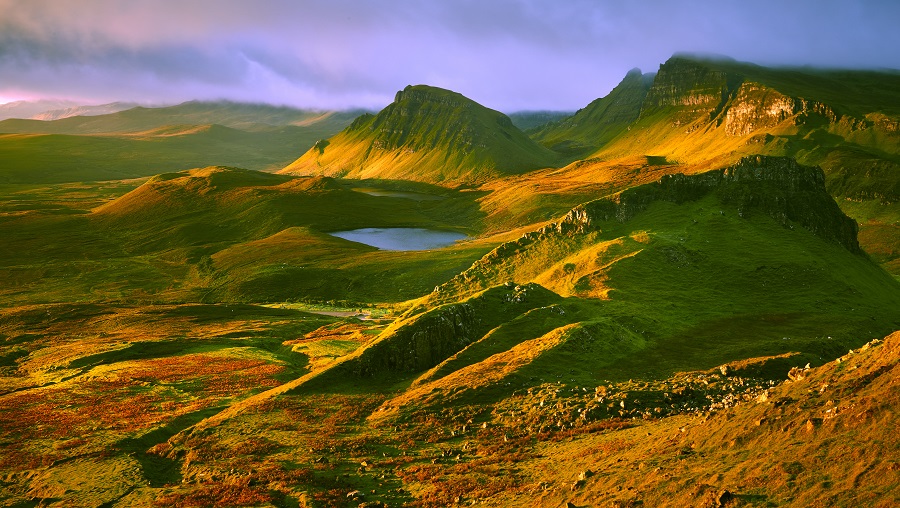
column 507, row 54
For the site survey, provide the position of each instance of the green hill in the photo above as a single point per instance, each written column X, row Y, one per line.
column 686, row 273
column 430, row 135
column 230, row 114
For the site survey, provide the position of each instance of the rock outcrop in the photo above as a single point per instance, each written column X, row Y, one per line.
column 425, row 338
column 776, row 186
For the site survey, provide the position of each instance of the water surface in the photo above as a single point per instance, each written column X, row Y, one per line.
column 384, row 193
column 401, row 238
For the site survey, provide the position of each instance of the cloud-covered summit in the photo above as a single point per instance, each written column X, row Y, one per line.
column 507, row 54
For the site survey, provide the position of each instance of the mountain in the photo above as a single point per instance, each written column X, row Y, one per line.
column 527, row 120
column 700, row 113
column 27, row 109
column 601, row 120
column 711, row 111
column 138, row 119
column 102, row 109
column 427, row 134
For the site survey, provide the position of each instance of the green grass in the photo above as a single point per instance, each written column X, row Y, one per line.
column 171, row 327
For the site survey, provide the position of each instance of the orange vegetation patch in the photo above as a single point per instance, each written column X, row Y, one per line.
column 64, row 412
column 215, row 375
column 130, row 402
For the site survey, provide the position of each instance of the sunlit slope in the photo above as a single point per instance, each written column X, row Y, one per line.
column 427, row 134
column 705, row 113
column 824, row 438
column 709, row 111
column 687, row 273
column 601, row 120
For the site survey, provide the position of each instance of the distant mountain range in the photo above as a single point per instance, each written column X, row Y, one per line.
column 58, row 109
column 145, row 141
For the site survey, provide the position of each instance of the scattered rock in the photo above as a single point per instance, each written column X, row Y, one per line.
column 723, row 498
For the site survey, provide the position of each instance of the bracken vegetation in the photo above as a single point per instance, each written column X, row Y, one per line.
column 684, row 294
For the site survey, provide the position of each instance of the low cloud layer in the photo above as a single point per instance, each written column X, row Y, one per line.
column 506, row 54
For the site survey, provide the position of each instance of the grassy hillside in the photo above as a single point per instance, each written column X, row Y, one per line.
column 592, row 127
column 706, row 113
column 224, row 234
column 662, row 321
column 430, row 135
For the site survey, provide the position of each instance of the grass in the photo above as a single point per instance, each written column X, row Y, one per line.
column 427, row 135
column 195, row 334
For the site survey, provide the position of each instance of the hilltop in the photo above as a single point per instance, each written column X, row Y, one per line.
column 430, row 135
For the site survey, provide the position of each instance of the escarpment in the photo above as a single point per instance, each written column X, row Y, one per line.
column 571, row 255
column 776, row 186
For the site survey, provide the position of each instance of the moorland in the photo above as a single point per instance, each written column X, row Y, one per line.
column 687, row 293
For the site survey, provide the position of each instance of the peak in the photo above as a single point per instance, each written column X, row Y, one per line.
column 702, row 57
column 634, row 72
column 426, row 92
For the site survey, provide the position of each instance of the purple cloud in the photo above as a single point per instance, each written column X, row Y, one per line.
column 506, row 54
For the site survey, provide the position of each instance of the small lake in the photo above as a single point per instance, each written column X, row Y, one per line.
column 384, row 193
column 401, row 238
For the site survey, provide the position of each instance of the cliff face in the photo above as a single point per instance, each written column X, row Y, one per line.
column 776, row 186
column 574, row 255
column 695, row 88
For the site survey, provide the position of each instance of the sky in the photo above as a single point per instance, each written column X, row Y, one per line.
column 509, row 55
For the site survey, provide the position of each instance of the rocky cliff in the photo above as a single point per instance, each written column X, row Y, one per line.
column 696, row 89
column 776, row 186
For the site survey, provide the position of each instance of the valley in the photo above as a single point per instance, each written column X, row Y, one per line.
column 686, row 293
